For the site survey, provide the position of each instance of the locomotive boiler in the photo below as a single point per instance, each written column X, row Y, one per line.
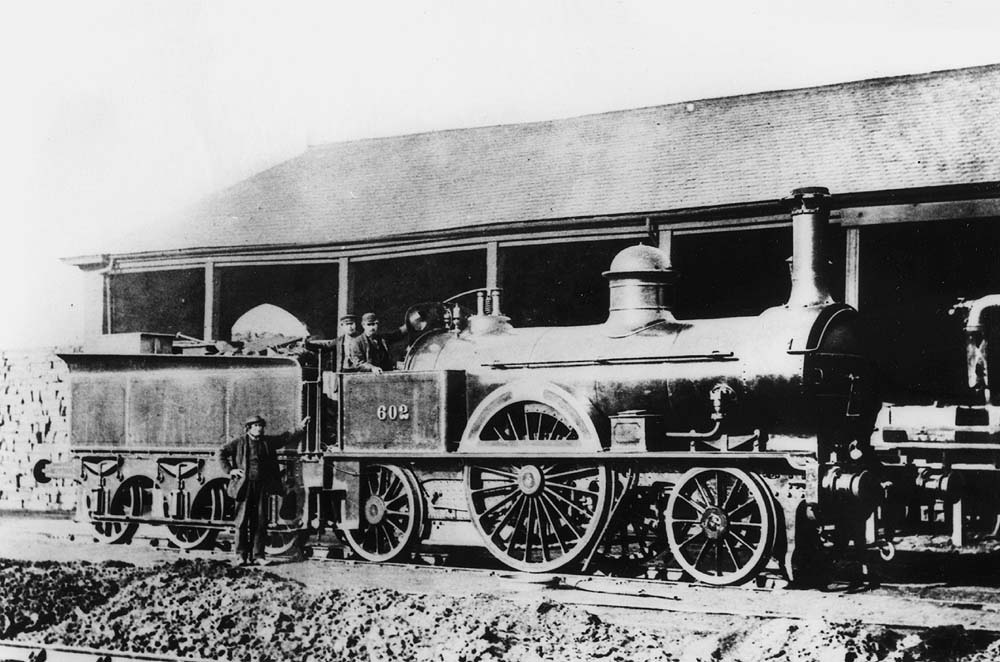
column 734, row 439
column 724, row 446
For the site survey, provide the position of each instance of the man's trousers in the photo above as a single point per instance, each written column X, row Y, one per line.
column 251, row 522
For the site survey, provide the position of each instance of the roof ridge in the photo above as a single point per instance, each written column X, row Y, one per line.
column 919, row 130
column 879, row 80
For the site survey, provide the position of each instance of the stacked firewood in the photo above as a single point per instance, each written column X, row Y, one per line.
column 33, row 426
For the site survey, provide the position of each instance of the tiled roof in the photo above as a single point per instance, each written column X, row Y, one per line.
column 893, row 133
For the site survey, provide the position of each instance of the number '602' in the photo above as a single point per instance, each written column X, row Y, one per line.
column 393, row 412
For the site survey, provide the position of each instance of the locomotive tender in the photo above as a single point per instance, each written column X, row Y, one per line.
column 725, row 445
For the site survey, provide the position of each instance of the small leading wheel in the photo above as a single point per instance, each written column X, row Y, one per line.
column 392, row 514
column 720, row 525
column 210, row 503
column 133, row 498
column 538, row 517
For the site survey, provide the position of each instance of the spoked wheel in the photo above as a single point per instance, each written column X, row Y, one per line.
column 210, row 503
column 721, row 525
column 635, row 535
column 532, row 421
column 538, row 517
column 133, row 498
column 280, row 542
column 392, row 514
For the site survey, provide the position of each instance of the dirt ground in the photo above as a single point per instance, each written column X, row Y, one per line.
column 144, row 599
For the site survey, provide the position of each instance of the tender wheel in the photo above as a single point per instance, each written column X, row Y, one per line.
column 392, row 513
column 538, row 517
column 133, row 498
column 210, row 503
column 279, row 542
column 720, row 525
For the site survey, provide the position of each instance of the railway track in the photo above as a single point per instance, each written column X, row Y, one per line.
column 26, row 651
column 632, row 594
column 882, row 604
column 891, row 605
column 632, row 599
column 625, row 599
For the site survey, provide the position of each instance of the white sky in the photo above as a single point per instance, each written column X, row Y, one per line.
column 116, row 113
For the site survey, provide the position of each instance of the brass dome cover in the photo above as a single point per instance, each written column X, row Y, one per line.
column 639, row 259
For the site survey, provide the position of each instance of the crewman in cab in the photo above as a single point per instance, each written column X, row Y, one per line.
column 367, row 352
column 348, row 329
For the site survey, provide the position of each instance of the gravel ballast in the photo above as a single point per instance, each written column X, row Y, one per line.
column 209, row 609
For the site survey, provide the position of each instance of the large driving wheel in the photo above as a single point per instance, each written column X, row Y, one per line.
column 538, row 517
column 210, row 503
column 392, row 513
column 721, row 525
column 133, row 498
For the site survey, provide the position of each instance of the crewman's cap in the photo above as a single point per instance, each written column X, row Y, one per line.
column 368, row 318
column 256, row 418
column 349, row 318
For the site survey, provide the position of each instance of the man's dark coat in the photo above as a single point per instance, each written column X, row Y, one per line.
column 364, row 353
column 235, row 455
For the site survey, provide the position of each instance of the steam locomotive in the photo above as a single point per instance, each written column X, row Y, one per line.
column 725, row 446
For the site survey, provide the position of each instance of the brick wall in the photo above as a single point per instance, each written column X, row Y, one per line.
column 33, row 426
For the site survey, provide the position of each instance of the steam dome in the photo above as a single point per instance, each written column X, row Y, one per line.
column 639, row 283
column 639, row 259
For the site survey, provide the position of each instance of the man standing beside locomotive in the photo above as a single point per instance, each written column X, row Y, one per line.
column 251, row 461
column 368, row 351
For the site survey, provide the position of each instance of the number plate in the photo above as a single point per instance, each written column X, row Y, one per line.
column 401, row 411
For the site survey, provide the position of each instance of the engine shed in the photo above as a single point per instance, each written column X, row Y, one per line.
column 540, row 209
column 720, row 398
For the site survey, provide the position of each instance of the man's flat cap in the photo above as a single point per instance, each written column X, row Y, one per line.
column 256, row 418
column 348, row 318
column 368, row 318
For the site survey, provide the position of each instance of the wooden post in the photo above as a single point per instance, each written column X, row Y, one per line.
column 852, row 266
column 109, row 305
column 95, row 304
column 667, row 242
column 345, row 287
column 210, row 329
column 492, row 265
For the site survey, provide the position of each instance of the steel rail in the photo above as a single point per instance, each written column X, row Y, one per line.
column 670, row 595
column 33, row 651
column 621, row 598
column 747, row 601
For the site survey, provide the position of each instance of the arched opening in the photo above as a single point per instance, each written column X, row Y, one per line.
column 265, row 326
column 308, row 291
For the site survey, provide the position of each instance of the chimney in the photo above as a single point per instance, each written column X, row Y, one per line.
column 810, row 209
